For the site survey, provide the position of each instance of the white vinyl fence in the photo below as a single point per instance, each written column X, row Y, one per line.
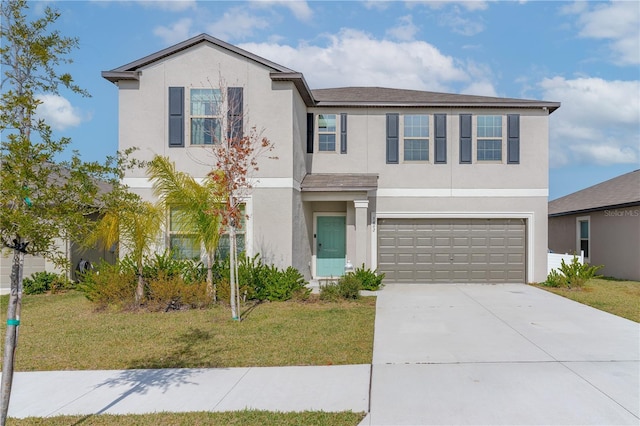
column 554, row 260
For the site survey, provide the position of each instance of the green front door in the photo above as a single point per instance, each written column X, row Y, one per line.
column 330, row 246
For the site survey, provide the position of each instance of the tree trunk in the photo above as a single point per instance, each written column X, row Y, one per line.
column 140, row 287
column 211, row 290
column 11, row 337
column 232, row 271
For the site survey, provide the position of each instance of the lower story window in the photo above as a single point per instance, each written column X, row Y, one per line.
column 583, row 236
column 183, row 245
column 224, row 246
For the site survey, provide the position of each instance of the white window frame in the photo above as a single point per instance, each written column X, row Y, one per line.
column 335, row 132
column 177, row 233
column 579, row 239
column 477, row 138
column 242, row 231
column 215, row 115
column 428, row 138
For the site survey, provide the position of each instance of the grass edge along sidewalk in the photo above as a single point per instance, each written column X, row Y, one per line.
column 244, row 418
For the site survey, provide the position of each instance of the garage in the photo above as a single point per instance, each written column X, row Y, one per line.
column 452, row 250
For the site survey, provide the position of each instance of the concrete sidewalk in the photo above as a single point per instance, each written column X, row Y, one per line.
column 500, row 354
column 330, row 388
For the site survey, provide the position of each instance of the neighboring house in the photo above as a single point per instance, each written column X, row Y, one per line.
column 604, row 222
column 72, row 251
column 426, row 187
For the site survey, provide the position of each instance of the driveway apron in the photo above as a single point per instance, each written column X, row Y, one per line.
column 500, row 354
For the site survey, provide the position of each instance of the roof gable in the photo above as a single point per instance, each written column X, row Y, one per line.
column 132, row 67
column 617, row 192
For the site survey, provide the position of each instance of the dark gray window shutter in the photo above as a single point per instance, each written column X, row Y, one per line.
column 440, row 143
column 235, row 116
column 343, row 133
column 392, row 138
column 465, row 139
column 176, row 116
column 310, row 130
column 513, row 138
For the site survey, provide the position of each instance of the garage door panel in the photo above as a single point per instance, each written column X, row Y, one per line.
column 452, row 250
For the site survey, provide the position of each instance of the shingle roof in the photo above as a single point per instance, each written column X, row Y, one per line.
column 382, row 96
column 617, row 192
column 337, row 97
column 339, row 182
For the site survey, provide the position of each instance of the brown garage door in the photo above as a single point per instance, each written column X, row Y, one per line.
column 452, row 250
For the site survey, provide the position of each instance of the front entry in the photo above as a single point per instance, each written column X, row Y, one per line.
column 330, row 246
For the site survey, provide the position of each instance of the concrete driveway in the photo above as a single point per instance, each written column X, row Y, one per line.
column 500, row 354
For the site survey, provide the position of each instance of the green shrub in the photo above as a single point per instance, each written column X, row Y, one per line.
column 369, row 280
column 173, row 293
column 110, row 285
column 572, row 275
column 41, row 282
column 346, row 287
column 329, row 292
column 266, row 282
column 554, row 279
column 349, row 286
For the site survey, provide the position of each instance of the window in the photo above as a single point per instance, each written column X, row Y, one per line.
column 327, row 132
column 183, row 245
column 583, row 236
column 224, row 244
column 206, row 119
column 489, row 138
column 416, row 138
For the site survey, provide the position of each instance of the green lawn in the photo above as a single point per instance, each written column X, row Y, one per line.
column 244, row 418
column 618, row 297
column 64, row 332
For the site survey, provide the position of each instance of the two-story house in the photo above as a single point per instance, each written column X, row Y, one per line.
column 426, row 187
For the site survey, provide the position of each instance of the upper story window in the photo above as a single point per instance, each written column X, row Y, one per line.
column 327, row 130
column 489, row 138
column 416, row 138
column 206, row 116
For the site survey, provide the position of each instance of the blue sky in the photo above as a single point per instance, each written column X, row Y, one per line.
column 585, row 55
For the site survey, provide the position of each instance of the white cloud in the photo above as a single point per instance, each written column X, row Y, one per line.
column 377, row 4
column 618, row 22
column 470, row 5
column 405, row 30
column 299, row 8
column 176, row 32
column 354, row 58
column 58, row 112
column 597, row 123
column 481, row 88
column 236, row 23
column 461, row 25
column 170, row 5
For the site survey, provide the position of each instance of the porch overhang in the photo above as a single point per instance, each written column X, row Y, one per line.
column 338, row 186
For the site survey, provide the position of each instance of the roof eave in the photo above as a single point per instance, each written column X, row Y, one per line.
column 549, row 106
column 115, row 76
column 298, row 80
column 595, row 209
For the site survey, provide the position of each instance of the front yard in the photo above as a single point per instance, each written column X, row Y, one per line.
column 64, row 332
column 618, row 297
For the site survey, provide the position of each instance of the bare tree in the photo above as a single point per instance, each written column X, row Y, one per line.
column 236, row 153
